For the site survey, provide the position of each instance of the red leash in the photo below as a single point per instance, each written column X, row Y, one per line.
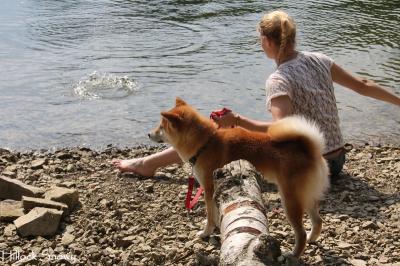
column 191, row 202
column 218, row 114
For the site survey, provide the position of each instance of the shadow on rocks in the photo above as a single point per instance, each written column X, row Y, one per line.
column 356, row 198
column 329, row 257
column 350, row 196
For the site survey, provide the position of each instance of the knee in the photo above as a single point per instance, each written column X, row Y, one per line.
column 336, row 166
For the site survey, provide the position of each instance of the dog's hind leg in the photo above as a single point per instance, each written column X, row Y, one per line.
column 294, row 208
column 316, row 222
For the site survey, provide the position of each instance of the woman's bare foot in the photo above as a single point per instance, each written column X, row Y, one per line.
column 137, row 166
column 147, row 166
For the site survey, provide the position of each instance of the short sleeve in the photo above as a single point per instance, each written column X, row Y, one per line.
column 276, row 86
column 326, row 60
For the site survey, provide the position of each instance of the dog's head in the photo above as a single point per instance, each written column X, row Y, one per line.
column 173, row 124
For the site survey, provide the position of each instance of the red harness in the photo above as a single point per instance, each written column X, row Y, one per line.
column 191, row 202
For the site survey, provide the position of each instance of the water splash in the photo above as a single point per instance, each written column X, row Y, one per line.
column 105, row 86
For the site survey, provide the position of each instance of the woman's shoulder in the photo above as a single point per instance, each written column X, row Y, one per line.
column 322, row 57
column 276, row 76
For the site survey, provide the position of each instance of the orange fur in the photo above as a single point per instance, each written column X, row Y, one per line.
column 289, row 154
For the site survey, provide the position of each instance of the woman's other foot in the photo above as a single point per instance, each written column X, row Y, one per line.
column 136, row 166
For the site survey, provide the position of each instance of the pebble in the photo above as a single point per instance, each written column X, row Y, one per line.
column 67, row 239
column 357, row 262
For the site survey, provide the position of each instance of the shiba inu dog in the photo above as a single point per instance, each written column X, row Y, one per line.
column 289, row 154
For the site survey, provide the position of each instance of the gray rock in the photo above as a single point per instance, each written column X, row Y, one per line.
column 38, row 163
column 64, row 155
column 70, row 167
column 64, row 195
column 204, row 259
column 357, row 262
column 15, row 189
column 11, row 168
column 125, row 242
column 369, row 225
column 67, row 239
column 9, row 173
column 29, row 203
column 67, row 184
column 9, row 230
column 10, row 210
column 39, row 222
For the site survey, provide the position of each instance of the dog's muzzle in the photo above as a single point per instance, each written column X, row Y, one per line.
column 156, row 137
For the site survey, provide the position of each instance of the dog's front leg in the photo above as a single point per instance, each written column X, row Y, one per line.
column 211, row 208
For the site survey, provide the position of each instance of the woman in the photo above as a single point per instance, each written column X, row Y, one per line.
column 302, row 84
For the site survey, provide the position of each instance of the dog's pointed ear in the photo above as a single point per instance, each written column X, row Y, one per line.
column 179, row 102
column 171, row 117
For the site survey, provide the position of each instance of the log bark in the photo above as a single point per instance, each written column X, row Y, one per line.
column 244, row 234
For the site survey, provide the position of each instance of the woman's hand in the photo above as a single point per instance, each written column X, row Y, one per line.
column 226, row 120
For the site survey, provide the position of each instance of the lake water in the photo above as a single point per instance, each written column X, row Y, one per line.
column 97, row 72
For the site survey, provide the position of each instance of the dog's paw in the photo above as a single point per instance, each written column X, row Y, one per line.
column 311, row 237
column 208, row 230
column 203, row 234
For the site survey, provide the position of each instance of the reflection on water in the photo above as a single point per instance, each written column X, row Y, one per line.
column 203, row 51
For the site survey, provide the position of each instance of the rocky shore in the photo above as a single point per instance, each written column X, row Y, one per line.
column 123, row 219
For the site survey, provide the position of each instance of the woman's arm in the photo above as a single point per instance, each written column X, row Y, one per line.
column 362, row 86
column 280, row 107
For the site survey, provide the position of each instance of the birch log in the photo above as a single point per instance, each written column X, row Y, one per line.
column 244, row 234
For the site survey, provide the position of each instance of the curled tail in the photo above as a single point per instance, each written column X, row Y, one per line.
column 295, row 128
column 298, row 128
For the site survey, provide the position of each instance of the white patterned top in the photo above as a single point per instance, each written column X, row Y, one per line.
column 307, row 81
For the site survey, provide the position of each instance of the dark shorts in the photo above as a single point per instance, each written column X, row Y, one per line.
column 336, row 164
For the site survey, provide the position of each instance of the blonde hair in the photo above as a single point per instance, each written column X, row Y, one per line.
column 281, row 29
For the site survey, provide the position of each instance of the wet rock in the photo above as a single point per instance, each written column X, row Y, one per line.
column 38, row 222
column 15, row 189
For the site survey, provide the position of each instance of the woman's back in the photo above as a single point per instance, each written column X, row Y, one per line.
column 306, row 79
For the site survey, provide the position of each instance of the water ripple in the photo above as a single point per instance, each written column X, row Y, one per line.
column 205, row 51
column 104, row 86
